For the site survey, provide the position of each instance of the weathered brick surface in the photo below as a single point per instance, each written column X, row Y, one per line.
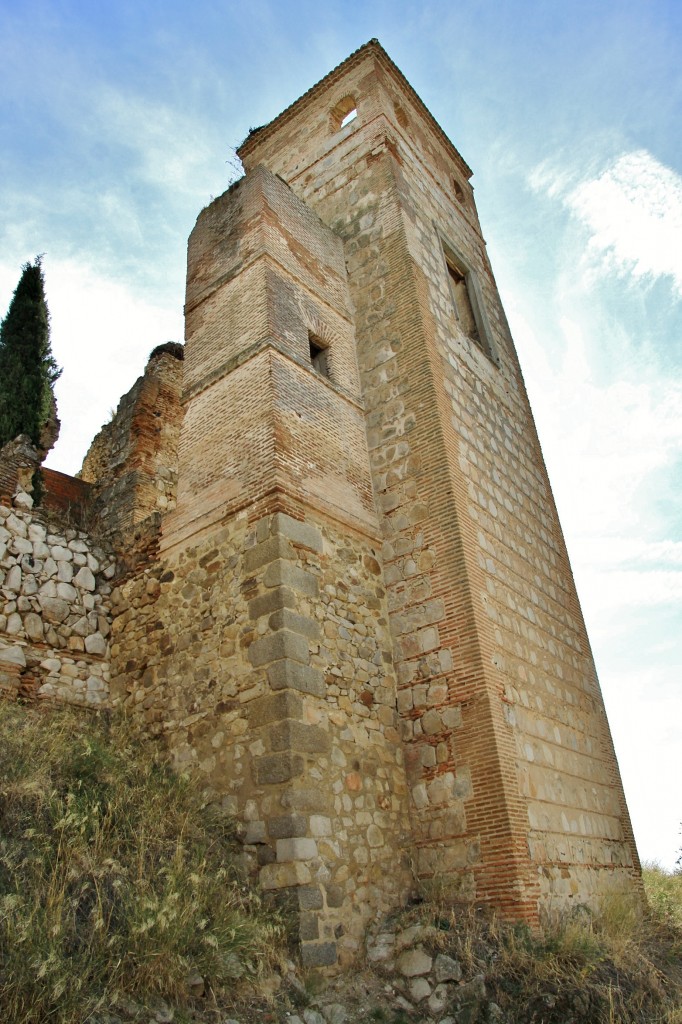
column 251, row 303
column 131, row 465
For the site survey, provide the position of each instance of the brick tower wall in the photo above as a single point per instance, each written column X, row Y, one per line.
column 131, row 465
column 515, row 790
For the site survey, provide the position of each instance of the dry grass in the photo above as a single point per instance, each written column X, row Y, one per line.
column 115, row 884
column 664, row 894
column 619, row 965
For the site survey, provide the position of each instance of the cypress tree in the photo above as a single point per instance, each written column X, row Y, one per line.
column 27, row 367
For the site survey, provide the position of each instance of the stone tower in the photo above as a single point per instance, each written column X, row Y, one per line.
column 361, row 625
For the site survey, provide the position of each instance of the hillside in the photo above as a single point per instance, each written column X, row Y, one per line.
column 121, row 899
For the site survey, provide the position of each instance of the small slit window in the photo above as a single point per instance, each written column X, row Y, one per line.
column 319, row 355
column 401, row 117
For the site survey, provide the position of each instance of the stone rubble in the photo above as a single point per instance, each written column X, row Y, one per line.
column 54, row 609
column 390, row 991
column 424, row 983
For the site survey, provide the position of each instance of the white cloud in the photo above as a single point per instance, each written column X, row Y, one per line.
column 604, row 439
column 632, row 210
column 607, row 441
column 644, row 714
column 633, row 551
column 172, row 150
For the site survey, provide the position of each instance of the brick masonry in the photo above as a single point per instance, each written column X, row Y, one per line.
column 515, row 792
column 342, row 596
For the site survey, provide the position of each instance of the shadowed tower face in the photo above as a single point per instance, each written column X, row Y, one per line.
column 515, row 795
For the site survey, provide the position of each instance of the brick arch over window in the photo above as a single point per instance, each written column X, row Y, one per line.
column 340, row 114
column 319, row 328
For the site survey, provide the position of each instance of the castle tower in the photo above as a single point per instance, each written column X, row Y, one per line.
column 515, row 794
column 359, row 626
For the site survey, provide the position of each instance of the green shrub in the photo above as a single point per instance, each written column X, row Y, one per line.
column 115, row 883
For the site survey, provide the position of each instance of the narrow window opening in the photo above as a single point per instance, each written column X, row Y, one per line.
column 350, row 116
column 319, row 355
column 461, row 299
column 459, row 191
column 468, row 304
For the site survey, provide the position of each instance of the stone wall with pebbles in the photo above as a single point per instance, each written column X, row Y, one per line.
column 263, row 656
column 54, row 609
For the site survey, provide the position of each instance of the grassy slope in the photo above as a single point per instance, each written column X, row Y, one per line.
column 117, row 885
column 114, row 882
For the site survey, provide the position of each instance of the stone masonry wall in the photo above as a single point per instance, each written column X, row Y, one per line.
column 355, row 620
column 54, row 610
column 537, row 652
column 258, row 645
column 262, row 656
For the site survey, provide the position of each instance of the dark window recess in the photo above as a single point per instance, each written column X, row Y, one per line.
column 462, row 302
column 459, row 191
column 318, row 355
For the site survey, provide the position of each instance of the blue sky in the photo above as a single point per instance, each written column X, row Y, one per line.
column 119, row 122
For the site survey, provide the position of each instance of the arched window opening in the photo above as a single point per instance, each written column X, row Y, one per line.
column 343, row 113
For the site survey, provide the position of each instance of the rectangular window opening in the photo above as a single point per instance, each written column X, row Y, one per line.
column 318, row 355
column 468, row 304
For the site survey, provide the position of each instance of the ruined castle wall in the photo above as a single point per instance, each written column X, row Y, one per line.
column 502, row 711
column 54, row 611
column 132, row 462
